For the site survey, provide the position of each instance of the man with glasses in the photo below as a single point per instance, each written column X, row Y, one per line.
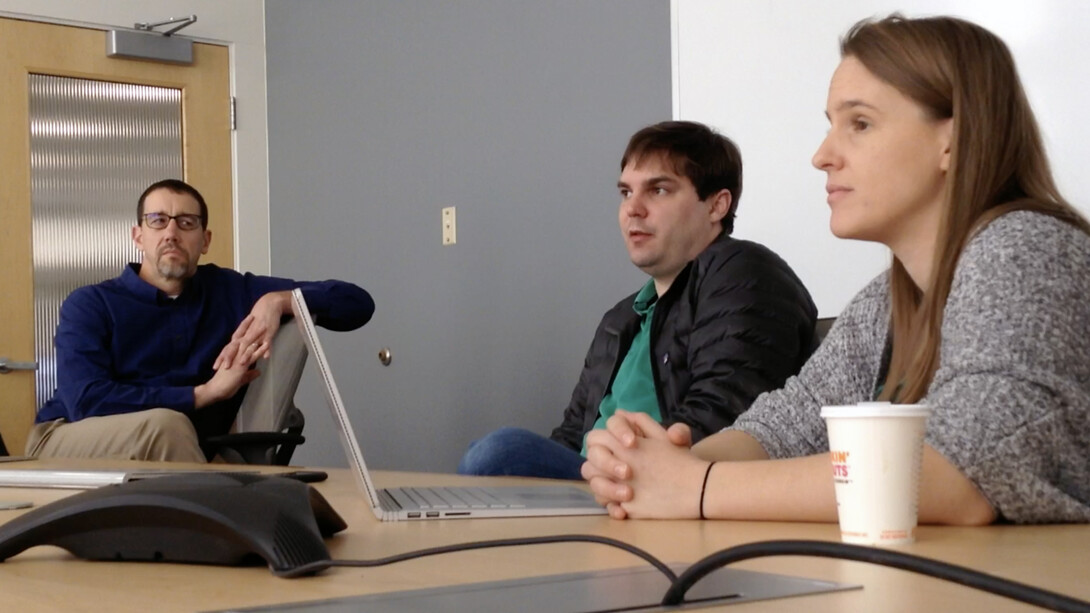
column 150, row 363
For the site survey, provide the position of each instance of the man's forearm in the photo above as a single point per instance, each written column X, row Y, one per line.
column 277, row 302
column 337, row 305
column 104, row 397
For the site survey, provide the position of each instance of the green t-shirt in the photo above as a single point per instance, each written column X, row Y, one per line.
column 633, row 388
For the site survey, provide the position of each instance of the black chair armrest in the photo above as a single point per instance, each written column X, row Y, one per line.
column 256, row 447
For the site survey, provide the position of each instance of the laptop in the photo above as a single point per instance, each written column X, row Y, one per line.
column 85, row 479
column 88, row 479
column 423, row 503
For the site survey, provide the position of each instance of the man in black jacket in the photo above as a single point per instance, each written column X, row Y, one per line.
column 719, row 321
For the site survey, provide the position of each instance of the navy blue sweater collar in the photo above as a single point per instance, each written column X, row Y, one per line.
column 146, row 292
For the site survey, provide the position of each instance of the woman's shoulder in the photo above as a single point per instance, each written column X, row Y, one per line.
column 1021, row 274
column 1019, row 232
column 1025, row 247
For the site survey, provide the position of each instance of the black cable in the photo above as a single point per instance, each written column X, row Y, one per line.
column 679, row 586
column 320, row 565
column 885, row 557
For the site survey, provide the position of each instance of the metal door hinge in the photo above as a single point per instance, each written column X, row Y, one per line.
column 234, row 113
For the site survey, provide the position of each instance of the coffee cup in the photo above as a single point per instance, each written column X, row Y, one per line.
column 876, row 450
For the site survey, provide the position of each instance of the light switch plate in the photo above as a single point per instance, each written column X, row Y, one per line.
column 450, row 228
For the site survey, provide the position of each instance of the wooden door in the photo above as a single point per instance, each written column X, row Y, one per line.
column 28, row 48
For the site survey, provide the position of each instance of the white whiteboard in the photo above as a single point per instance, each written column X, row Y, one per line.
column 758, row 70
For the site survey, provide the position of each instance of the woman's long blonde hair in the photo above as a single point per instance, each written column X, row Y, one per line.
column 956, row 69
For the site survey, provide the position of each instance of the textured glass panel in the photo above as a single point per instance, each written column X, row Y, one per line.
column 94, row 147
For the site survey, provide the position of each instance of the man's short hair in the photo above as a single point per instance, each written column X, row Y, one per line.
column 178, row 187
column 708, row 159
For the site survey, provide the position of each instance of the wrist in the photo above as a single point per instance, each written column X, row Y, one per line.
column 202, row 396
column 283, row 301
column 704, row 490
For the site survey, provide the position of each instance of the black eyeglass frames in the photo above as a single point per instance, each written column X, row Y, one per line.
column 185, row 221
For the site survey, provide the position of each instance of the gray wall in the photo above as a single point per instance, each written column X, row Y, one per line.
column 383, row 112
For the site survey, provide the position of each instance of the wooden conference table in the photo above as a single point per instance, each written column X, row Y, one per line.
column 50, row 579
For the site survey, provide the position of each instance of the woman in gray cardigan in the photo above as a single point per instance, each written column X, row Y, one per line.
column 933, row 151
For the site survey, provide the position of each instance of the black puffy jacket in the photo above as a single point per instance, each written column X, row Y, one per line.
column 736, row 322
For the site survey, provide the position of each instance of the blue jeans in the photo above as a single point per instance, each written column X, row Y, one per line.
column 518, row 452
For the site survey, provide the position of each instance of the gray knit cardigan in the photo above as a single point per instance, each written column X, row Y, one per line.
column 1011, row 397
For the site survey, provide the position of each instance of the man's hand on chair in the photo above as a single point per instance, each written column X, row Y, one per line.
column 255, row 334
column 227, row 380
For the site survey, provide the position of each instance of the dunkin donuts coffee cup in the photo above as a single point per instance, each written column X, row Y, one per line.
column 876, row 450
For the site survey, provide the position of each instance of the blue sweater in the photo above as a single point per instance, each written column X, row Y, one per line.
column 124, row 346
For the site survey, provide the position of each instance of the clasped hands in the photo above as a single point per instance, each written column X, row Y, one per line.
column 638, row 469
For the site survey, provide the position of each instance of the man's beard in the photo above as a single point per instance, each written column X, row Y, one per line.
column 173, row 270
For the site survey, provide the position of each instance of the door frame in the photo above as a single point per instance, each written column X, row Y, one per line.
column 33, row 47
column 240, row 26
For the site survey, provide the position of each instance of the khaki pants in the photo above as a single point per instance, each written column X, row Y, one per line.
column 154, row 434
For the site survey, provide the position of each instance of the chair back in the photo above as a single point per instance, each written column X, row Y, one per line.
column 821, row 329
column 271, row 397
column 268, row 425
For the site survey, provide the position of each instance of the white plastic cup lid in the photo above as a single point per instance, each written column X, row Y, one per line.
column 875, row 409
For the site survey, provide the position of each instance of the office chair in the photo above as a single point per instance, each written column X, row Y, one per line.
column 821, row 329
column 269, row 426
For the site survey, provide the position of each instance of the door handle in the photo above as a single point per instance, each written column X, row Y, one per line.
column 6, row 366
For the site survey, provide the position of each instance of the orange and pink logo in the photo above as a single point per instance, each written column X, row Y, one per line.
column 840, row 466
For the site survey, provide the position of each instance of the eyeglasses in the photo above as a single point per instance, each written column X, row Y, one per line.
column 185, row 221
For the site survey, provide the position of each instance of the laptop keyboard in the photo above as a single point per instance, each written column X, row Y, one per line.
column 452, row 498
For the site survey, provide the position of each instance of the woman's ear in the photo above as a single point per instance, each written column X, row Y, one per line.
column 946, row 139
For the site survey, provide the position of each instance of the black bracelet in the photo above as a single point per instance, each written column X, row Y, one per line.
column 704, row 488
